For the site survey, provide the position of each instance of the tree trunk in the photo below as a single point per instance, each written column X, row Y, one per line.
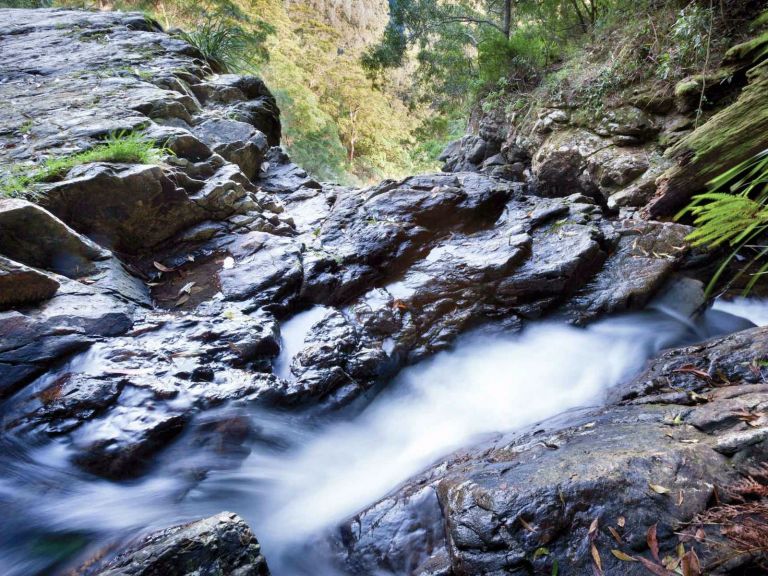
column 507, row 20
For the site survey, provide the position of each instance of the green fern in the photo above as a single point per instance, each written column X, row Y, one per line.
column 734, row 212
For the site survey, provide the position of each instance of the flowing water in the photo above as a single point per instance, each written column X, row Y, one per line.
column 307, row 474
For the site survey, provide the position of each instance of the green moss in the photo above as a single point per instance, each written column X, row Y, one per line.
column 751, row 51
column 120, row 148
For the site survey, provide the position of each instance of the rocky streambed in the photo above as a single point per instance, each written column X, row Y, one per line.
column 394, row 379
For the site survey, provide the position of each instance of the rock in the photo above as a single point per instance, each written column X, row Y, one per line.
column 613, row 473
column 725, row 140
column 125, row 208
column 559, row 164
column 21, row 285
column 236, row 141
column 35, row 237
column 221, row 544
column 32, row 339
column 695, row 368
column 281, row 176
column 122, row 444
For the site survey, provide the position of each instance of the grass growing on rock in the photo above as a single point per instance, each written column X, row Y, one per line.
column 120, row 147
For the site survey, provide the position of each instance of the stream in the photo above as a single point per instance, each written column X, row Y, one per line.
column 303, row 474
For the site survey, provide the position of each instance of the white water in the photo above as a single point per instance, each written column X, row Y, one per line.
column 487, row 383
column 292, row 334
column 753, row 309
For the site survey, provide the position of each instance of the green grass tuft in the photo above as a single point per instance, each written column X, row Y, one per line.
column 120, row 147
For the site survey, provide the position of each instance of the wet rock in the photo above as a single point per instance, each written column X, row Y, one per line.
column 336, row 364
column 35, row 237
column 221, row 544
column 282, row 176
column 641, row 261
column 613, row 473
column 735, row 358
column 67, row 402
column 32, row 339
column 236, row 141
column 122, row 444
column 125, row 208
column 21, row 285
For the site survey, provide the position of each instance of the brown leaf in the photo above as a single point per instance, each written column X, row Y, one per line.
column 615, row 534
column 690, row 564
column 593, row 530
column 680, row 498
column 700, row 535
column 161, row 267
column 183, row 300
column 623, row 557
column 621, row 521
column 653, row 543
column 596, row 559
column 654, row 568
column 690, row 369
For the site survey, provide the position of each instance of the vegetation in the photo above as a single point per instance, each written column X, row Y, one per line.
column 228, row 46
column 120, row 147
column 734, row 213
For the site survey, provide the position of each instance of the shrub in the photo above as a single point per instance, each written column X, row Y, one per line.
column 227, row 46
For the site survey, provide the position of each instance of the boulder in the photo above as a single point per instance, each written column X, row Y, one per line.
column 33, row 236
column 221, row 544
column 236, row 141
column 20, row 285
column 125, row 208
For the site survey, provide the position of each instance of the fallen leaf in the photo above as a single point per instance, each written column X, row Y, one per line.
column 183, row 300
column 593, row 530
column 689, row 369
column 658, row 489
column 654, row 568
column 615, row 534
column 690, row 441
column 589, row 425
column 680, row 550
column 623, row 557
column 680, row 498
column 621, row 521
column 700, row 535
column 596, row 559
column 540, row 552
column 653, row 542
column 186, row 289
column 161, row 267
column 526, row 525
column 690, row 564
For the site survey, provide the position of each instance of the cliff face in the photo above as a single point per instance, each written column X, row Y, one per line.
column 359, row 22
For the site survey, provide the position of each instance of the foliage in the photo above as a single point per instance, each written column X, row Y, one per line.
column 734, row 212
column 26, row 3
column 688, row 47
column 119, row 147
column 228, row 46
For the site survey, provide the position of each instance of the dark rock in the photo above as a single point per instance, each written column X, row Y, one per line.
column 236, row 141
column 616, row 471
column 221, row 544
column 35, row 237
column 125, row 208
column 21, row 285
column 32, row 339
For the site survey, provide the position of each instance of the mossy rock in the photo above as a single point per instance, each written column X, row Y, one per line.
column 750, row 52
column 731, row 136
